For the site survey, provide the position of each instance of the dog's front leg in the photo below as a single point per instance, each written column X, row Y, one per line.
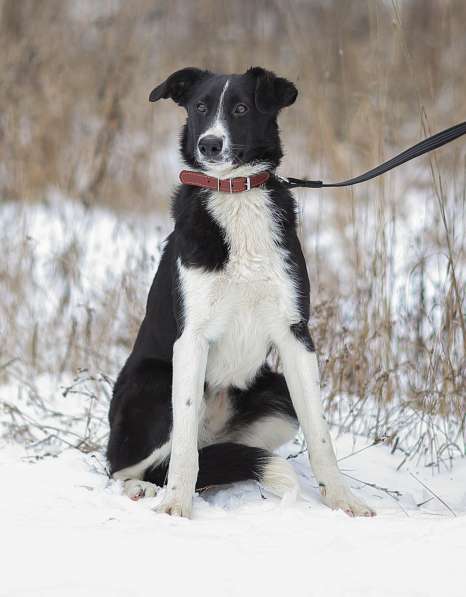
column 301, row 372
column 189, row 365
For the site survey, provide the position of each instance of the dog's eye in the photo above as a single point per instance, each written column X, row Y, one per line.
column 240, row 109
column 201, row 107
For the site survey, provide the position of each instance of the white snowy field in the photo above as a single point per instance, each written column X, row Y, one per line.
column 68, row 531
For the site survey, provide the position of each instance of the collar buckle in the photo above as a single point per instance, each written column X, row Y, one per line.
column 248, row 183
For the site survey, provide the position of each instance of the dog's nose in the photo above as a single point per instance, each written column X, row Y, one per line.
column 210, row 146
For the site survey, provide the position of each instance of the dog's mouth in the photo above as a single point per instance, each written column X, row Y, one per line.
column 222, row 161
column 210, row 161
column 231, row 159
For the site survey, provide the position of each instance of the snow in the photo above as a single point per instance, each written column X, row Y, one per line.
column 68, row 530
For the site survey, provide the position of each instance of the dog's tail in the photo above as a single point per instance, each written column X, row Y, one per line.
column 220, row 464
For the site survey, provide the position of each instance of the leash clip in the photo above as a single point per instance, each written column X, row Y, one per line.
column 282, row 178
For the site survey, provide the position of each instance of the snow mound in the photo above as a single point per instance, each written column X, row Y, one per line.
column 68, row 530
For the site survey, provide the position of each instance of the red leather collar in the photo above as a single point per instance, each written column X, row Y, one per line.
column 226, row 185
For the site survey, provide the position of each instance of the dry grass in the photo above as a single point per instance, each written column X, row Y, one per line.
column 386, row 259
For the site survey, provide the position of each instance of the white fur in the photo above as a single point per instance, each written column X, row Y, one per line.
column 280, row 478
column 269, row 432
column 217, row 127
column 238, row 308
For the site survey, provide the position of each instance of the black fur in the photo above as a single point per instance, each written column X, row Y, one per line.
column 301, row 331
column 200, row 241
column 141, row 413
column 268, row 395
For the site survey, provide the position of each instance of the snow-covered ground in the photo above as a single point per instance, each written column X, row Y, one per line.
column 68, row 531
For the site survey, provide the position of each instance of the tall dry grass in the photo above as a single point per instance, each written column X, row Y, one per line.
column 386, row 259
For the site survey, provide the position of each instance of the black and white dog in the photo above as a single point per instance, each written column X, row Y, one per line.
column 197, row 403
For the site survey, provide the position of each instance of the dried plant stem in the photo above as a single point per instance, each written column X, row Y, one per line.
column 434, row 494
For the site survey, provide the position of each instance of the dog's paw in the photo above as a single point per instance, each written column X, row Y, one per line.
column 340, row 498
column 136, row 489
column 175, row 507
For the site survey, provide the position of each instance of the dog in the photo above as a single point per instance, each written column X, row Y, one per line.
column 197, row 403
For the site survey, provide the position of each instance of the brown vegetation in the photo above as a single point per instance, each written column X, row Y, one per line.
column 386, row 259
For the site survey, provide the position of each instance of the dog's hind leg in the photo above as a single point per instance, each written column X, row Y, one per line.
column 263, row 414
column 140, row 424
column 136, row 489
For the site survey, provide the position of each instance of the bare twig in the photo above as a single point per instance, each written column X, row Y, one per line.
column 376, row 442
column 434, row 494
column 392, row 493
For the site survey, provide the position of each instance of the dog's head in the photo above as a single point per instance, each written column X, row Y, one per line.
column 232, row 120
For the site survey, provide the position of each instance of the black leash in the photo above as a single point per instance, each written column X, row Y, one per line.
column 428, row 144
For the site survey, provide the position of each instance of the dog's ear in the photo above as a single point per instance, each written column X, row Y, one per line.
column 179, row 85
column 272, row 93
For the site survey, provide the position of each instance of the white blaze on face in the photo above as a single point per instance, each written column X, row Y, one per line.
column 218, row 127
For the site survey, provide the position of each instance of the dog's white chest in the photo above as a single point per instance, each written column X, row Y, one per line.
column 241, row 307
